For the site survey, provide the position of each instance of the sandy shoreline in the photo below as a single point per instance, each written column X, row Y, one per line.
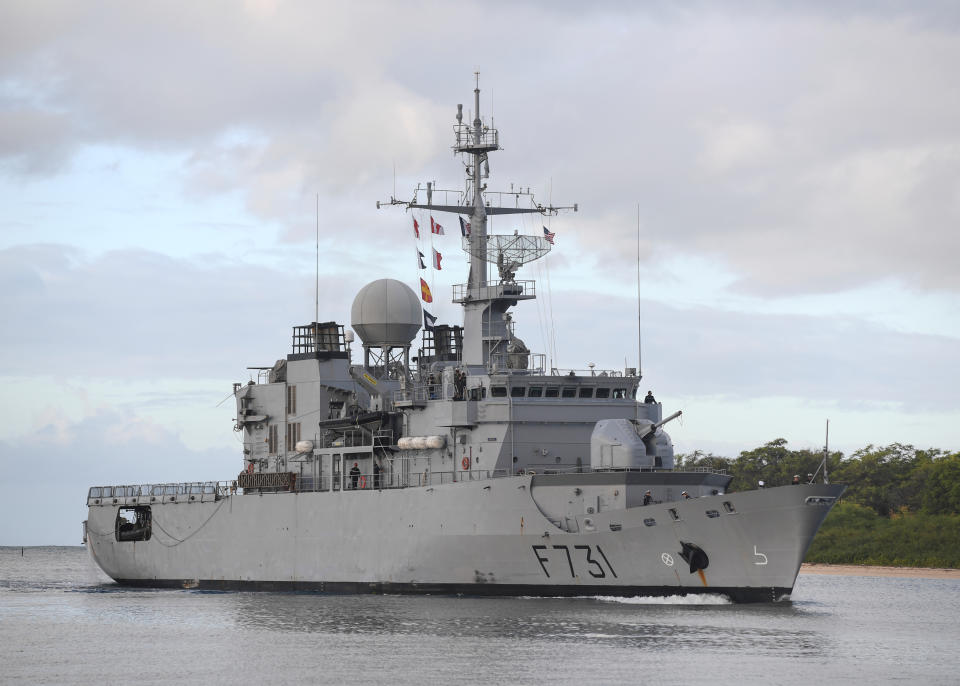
column 869, row 570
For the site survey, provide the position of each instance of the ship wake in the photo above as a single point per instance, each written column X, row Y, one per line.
column 688, row 599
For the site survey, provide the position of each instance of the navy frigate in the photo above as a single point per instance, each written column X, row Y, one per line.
column 456, row 463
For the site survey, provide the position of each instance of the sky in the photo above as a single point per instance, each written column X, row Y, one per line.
column 785, row 177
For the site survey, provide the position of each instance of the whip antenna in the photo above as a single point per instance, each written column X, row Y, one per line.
column 639, row 334
column 826, row 453
column 316, row 301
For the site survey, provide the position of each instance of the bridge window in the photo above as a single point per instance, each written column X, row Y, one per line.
column 569, row 392
column 517, row 391
column 498, row 391
column 619, row 393
column 603, row 392
column 535, row 392
column 586, row 393
column 552, row 392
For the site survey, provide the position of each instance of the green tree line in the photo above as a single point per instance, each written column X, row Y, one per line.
column 901, row 506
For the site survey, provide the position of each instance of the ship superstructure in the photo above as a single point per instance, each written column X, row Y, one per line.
column 461, row 464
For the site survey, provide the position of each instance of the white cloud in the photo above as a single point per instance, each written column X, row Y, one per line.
column 732, row 144
column 107, row 448
column 754, row 136
column 700, row 351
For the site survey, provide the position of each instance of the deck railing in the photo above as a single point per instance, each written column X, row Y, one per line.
column 147, row 494
column 398, row 477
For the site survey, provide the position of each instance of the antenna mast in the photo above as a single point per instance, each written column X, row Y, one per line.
column 826, row 451
column 316, row 301
column 639, row 333
column 487, row 332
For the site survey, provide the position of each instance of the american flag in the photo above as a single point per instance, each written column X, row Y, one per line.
column 548, row 235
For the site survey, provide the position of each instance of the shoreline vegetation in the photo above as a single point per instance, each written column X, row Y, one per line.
column 901, row 509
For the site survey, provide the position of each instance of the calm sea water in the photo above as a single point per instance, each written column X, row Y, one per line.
column 62, row 621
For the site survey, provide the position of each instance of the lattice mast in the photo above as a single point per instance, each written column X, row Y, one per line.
column 486, row 324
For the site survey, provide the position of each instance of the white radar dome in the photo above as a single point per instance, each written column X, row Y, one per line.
column 386, row 312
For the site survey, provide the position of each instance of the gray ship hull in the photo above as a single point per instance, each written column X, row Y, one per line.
column 478, row 538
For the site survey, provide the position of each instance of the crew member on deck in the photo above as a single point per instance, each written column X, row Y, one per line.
column 354, row 476
column 649, row 399
column 376, row 475
column 647, row 497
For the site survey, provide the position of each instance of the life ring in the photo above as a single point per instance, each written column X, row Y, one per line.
column 363, row 482
column 250, row 468
column 465, row 463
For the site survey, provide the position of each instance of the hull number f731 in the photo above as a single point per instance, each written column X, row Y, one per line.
column 580, row 558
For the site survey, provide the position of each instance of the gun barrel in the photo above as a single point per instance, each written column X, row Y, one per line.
column 668, row 419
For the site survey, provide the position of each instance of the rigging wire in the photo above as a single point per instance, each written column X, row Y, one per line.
column 433, row 269
column 541, row 315
column 190, row 535
column 546, row 263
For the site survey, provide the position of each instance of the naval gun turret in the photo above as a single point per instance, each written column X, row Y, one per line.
column 631, row 444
